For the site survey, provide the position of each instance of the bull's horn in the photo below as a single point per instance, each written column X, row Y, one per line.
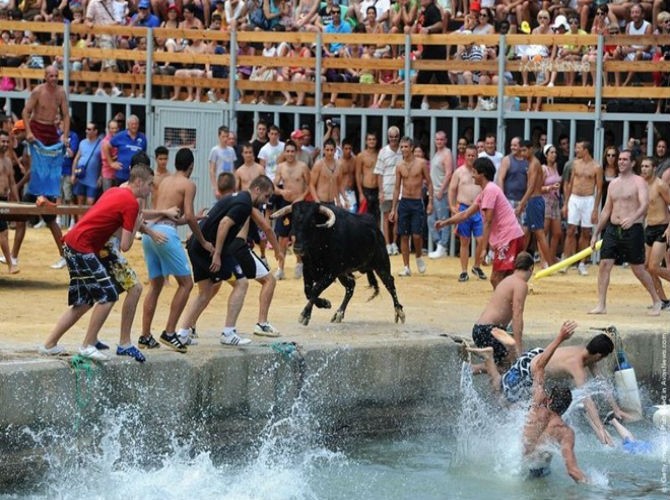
column 282, row 212
column 328, row 213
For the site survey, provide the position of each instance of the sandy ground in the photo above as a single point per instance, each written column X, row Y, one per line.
column 434, row 303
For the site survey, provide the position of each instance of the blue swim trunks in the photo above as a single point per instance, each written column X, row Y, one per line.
column 535, row 213
column 517, row 382
column 168, row 258
column 472, row 226
column 411, row 217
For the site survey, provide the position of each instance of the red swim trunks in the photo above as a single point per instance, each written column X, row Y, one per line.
column 45, row 133
column 504, row 255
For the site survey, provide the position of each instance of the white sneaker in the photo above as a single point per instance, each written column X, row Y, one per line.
column 101, row 92
column 394, row 249
column 297, row 274
column 425, row 105
column 186, row 337
column 15, row 261
column 40, row 224
column 389, row 249
column 116, row 92
column 420, row 265
column 233, row 339
column 91, row 352
column 279, row 274
column 581, row 268
column 211, row 96
column 56, row 350
column 266, row 330
column 60, row 264
column 405, row 272
column 438, row 253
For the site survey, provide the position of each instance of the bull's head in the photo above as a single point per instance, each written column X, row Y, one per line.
column 304, row 219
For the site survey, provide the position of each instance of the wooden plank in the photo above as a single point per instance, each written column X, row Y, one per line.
column 637, row 66
column 15, row 211
column 637, row 92
column 276, row 62
column 374, row 64
column 357, row 88
column 274, row 86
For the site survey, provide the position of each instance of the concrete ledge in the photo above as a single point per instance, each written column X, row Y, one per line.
column 229, row 395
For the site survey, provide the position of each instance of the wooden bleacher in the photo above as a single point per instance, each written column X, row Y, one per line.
column 563, row 98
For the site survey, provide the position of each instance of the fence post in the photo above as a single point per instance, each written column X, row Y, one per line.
column 148, row 90
column 598, row 87
column 232, row 91
column 66, row 62
column 500, row 124
column 318, row 97
column 407, row 93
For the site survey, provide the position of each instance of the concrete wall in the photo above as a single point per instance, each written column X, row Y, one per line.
column 369, row 387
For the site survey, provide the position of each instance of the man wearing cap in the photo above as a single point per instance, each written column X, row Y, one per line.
column 298, row 136
column 144, row 18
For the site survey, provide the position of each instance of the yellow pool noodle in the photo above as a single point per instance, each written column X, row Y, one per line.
column 567, row 262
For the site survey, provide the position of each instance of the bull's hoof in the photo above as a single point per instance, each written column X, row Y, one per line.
column 337, row 317
column 323, row 303
column 303, row 320
column 399, row 315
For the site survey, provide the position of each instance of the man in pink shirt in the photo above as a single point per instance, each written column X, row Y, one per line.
column 501, row 228
column 109, row 156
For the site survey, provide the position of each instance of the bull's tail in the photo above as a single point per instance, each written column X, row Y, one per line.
column 373, row 283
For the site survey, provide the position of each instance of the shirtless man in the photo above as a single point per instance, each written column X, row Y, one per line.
column 578, row 363
column 462, row 194
column 583, row 192
column 410, row 176
column 323, row 183
column 347, row 169
column 248, row 171
column 656, row 232
column 8, row 191
column 366, row 180
column 161, row 154
column 533, row 203
column 45, row 106
column 621, row 220
column 294, row 178
column 506, row 304
column 544, row 424
column 170, row 258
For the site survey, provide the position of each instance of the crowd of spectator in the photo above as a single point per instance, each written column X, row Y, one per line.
column 569, row 64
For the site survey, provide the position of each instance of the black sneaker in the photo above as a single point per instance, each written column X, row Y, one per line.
column 101, row 346
column 477, row 271
column 463, row 277
column 173, row 342
column 665, row 304
column 148, row 342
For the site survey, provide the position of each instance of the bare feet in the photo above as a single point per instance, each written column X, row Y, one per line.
column 14, row 270
column 484, row 352
column 598, row 310
column 503, row 337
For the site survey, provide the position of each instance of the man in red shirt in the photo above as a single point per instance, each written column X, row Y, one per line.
column 91, row 285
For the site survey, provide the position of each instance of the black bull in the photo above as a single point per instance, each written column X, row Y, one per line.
column 334, row 243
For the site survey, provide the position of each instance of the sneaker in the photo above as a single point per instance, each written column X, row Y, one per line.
column 148, row 342
column 56, row 350
column 265, row 330
column 439, row 252
column 463, row 277
column 425, row 106
column 489, row 258
column 101, row 346
column 101, row 93
column 581, row 268
column 665, row 304
column 15, row 261
column 477, row 271
column 389, row 249
column 40, row 224
column 420, row 265
column 116, row 92
column 211, row 96
column 131, row 351
column 187, row 337
column 173, row 342
column 394, row 249
column 279, row 274
column 60, row 264
column 297, row 274
column 405, row 272
column 91, row 352
column 233, row 339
